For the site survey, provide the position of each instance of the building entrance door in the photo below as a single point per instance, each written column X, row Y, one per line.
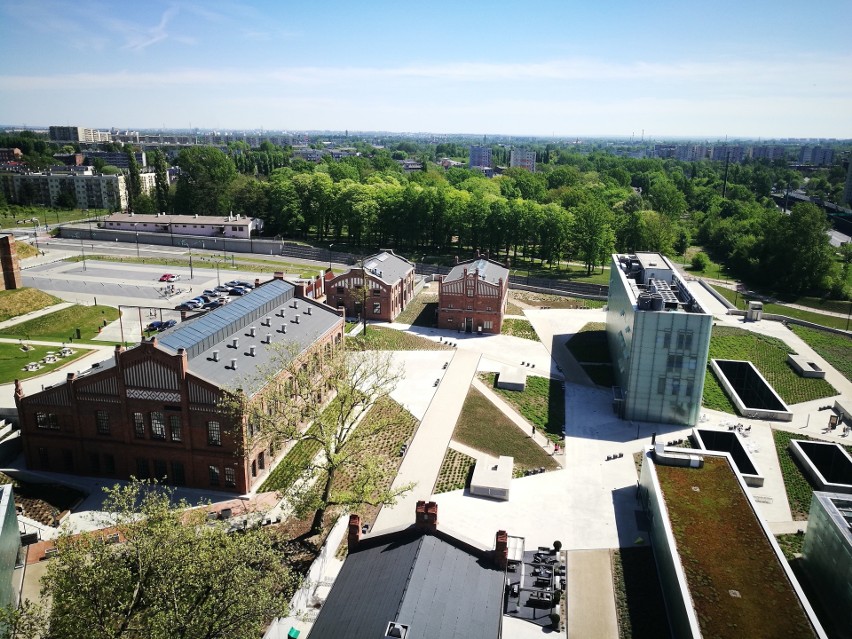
column 468, row 325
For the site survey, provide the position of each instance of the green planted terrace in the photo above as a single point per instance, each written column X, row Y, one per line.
column 542, row 403
column 61, row 325
column 378, row 338
column 769, row 355
column 455, row 471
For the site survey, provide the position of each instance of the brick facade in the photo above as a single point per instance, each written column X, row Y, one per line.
column 385, row 298
column 145, row 414
column 9, row 263
column 472, row 297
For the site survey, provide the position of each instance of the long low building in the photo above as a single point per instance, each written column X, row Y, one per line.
column 237, row 226
column 155, row 410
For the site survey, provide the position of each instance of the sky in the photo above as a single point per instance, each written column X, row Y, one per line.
column 706, row 70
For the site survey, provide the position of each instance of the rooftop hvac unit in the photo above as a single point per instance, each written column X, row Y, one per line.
column 235, row 343
column 215, row 356
column 251, row 331
column 234, row 364
column 284, row 328
column 309, row 310
column 252, row 350
column 269, row 338
column 296, row 319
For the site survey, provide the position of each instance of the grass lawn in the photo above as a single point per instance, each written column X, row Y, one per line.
column 542, row 403
column 455, row 472
column 513, row 309
column 799, row 489
column 573, row 272
column 835, row 349
column 780, row 309
column 820, row 304
column 10, row 215
column 791, row 544
column 714, row 270
column 542, row 300
column 388, row 339
column 482, row 426
column 13, row 360
column 519, row 328
column 25, row 250
column 722, row 547
column 60, row 326
column 23, row 300
column 421, row 310
column 638, row 596
column 769, row 355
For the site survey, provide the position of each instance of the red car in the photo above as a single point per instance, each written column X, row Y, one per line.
column 169, row 277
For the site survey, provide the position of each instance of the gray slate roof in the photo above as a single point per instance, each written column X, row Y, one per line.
column 216, row 330
column 437, row 588
column 489, row 270
column 388, row 266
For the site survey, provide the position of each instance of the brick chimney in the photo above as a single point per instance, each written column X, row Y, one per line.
column 354, row 534
column 183, row 362
column 501, row 549
column 278, row 275
column 426, row 516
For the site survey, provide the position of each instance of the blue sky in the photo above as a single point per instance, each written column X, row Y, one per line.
column 749, row 68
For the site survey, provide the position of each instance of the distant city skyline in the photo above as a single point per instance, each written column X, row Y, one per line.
column 743, row 70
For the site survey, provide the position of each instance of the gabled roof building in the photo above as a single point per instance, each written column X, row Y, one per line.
column 155, row 410
column 381, row 287
column 472, row 296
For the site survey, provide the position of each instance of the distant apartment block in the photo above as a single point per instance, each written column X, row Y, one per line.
column 734, row 153
column 114, row 158
column 472, row 296
column 522, row 158
column 659, row 337
column 665, row 151
column 78, row 134
column 235, row 226
column 816, row 155
column 309, row 155
column 479, row 156
column 91, row 190
column 691, row 152
column 769, row 152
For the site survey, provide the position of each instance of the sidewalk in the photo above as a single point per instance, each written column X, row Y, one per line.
column 423, row 460
column 590, row 599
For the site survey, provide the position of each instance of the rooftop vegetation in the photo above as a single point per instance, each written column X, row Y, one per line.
column 737, row 585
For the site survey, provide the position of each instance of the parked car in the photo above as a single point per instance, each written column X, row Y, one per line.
column 168, row 324
column 238, row 290
column 169, row 277
column 187, row 306
column 223, row 288
column 154, row 326
column 232, row 284
column 209, row 306
column 211, row 293
column 243, row 284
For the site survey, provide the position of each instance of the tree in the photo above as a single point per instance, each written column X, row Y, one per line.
column 170, row 576
column 593, row 235
column 134, row 182
column 161, row 177
column 205, row 181
column 342, row 430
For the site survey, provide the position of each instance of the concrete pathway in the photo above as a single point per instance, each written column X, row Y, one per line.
column 590, row 599
column 33, row 314
column 425, row 454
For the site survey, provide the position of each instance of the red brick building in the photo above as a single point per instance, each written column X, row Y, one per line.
column 472, row 296
column 155, row 410
column 389, row 287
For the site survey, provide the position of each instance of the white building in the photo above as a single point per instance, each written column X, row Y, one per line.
column 235, row 226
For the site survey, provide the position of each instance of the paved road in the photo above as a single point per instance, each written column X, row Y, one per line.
column 423, row 460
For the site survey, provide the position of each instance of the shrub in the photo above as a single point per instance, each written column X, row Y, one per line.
column 700, row 261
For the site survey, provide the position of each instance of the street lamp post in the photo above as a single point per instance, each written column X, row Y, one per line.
column 329, row 256
column 34, row 220
column 137, row 239
column 82, row 249
column 184, row 243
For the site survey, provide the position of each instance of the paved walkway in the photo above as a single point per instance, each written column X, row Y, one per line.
column 590, row 599
column 423, row 460
column 555, row 327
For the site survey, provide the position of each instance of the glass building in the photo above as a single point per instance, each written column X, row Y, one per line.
column 659, row 338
